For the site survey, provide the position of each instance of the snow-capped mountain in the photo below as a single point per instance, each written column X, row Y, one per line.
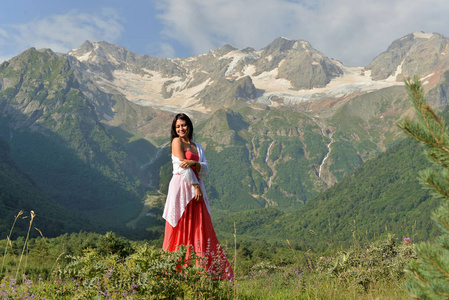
column 284, row 72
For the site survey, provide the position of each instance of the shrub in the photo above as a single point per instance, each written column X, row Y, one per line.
column 383, row 259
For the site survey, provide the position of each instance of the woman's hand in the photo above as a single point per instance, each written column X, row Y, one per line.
column 198, row 193
column 185, row 163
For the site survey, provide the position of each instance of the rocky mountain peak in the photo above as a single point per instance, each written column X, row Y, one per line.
column 286, row 70
column 418, row 53
column 225, row 49
column 279, row 45
column 86, row 47
column 101, row 53
column 248, row 50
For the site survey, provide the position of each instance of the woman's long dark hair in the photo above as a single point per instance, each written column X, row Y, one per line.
column 183, row 117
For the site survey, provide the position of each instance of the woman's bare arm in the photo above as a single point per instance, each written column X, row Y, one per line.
column 176, row 148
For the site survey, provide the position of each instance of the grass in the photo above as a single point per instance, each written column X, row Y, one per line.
column 285, row 285
column 111, row 267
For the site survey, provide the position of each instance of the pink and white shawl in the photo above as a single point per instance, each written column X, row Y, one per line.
column 181, row 190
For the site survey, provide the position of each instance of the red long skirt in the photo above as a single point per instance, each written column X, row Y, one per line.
column 195, row 229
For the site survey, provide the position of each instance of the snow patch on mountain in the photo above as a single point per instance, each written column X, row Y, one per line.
column 84, row 57
column 392, row 77
column 97, row 54
column 186, row 98
column 144, row 90
column 425, row 80
column 422, row 35
column 151, row 87
column 354, row 80
column 269, row 81
column 236, row 56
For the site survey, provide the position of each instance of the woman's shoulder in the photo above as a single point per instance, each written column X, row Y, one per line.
column 176, row 146
column 176, row 141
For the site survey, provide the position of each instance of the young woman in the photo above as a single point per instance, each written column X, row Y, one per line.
column 187, row 211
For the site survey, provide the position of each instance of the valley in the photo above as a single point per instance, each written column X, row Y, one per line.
column 281, row 126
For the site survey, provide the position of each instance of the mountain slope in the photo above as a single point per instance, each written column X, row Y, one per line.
column 279, row 125
column 19, row 193
column 383, row 195
column 55, row 136
column 284, row 157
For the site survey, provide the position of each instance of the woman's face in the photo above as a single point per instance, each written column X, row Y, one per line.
column 181, row 129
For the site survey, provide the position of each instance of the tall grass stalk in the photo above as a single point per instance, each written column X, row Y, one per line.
column 8, row 239
column 235, row 261
column 56, row 261
column 40, row 232
column 26, row 242
column 293, row 251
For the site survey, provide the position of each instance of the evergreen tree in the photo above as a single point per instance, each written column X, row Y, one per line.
column 428, row 276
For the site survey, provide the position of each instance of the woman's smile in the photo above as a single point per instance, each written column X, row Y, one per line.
column 181, row 128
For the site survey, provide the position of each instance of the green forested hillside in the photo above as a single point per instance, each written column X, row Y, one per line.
column 56, row 138
column 364, row 127
column 383, row 195
column 261, row 156
column 19, row 192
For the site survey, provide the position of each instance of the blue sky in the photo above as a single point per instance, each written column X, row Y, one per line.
column 352, row 31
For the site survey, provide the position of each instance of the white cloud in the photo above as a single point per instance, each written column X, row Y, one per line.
column 167, row 50
column 352, row 31
column 60, row 33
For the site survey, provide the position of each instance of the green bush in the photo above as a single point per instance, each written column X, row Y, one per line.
column 148, row 273
column 382, row 260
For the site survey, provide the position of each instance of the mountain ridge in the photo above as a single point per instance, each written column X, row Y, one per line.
column 100, row 115
column 175, row 83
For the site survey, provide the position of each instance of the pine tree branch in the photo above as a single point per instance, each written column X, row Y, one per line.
column 428, row 275
column 418, row 277
column 407, row 130
column 436, row 187
column 437, row 120
column 432, row 259
column 438, row 141
column 416, row 93
column 444, row 246
column 439, row 162
column 421, row 111
column 442, row 294
column 443, row 221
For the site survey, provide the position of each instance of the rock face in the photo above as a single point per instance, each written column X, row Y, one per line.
column 174, row 84
column 225, row 92
column 422, row 54
column 286, row 72
column 298, row 63
column 30, row 88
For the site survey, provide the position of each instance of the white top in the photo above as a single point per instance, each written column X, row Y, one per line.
column 181, row 189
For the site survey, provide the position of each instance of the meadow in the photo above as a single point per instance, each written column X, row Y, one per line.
column 94, row 266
